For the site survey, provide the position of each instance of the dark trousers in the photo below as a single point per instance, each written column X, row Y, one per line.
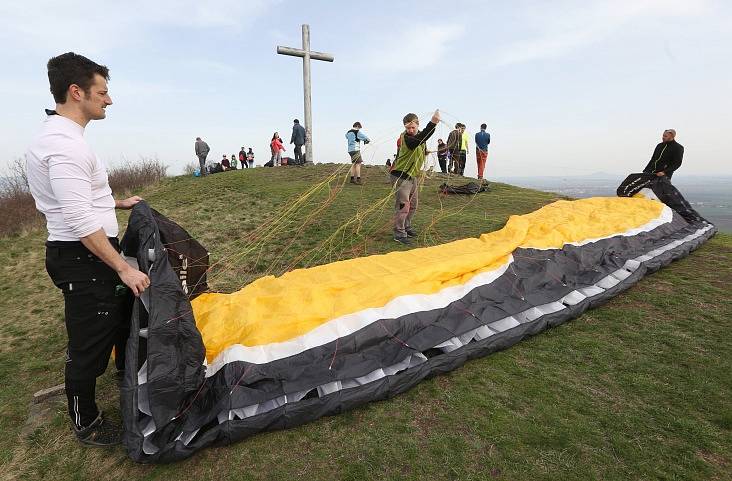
column 97, row 309
column 443, row 163
column 298, row 153
column 202, row 163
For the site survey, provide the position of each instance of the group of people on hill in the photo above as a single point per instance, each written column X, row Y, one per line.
column 452, row 156
column 245, row 159
column 409, row 161
column 277, row 148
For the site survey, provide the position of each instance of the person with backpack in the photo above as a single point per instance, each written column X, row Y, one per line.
column 277, row 148
column 354, row 138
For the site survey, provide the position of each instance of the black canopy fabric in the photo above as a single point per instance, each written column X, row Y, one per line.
column 164, row 347
column 468, row 189
column 174, row 405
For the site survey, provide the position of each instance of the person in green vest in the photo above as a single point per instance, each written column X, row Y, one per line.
column 406, row 168
column 464, row 139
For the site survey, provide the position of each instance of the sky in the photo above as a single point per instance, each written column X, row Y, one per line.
column 566, row 87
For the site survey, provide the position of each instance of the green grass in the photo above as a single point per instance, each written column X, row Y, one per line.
column 637, row 389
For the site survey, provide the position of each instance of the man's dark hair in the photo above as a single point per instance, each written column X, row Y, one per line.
column 70, row 68
column 483, row 126
column 357, row 125
column 409, row 118
column 296, row 121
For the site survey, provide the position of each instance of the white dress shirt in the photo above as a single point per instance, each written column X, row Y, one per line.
column 69, row 183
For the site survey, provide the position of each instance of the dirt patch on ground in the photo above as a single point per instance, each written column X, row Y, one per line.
column 716, row 460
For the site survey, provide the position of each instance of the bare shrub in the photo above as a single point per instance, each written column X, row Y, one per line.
column 18, row 212
column 17, row 208
column 130, row 176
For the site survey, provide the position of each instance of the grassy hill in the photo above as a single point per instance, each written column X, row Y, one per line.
column 586, row 400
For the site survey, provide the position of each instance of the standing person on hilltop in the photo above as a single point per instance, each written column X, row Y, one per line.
column 442, row 155
column 354, row 138
column 298, row 138
column 71, row 189
column 250, row 157
column 482, row 139
column 464, row 140
column 407, row 167
column 277, row 148
column 453, row 149
column 243, row 158
column 202, row 151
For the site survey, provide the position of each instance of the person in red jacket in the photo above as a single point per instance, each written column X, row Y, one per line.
column 277, row 148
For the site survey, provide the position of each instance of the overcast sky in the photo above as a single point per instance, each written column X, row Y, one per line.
column 566, row 87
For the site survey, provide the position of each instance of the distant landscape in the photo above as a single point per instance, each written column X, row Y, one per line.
column 710, row 196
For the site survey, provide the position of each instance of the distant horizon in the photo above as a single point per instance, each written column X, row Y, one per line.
column 604, row 175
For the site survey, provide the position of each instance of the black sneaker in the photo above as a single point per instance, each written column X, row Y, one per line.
column 99, row 433
column 353, row 181
column 411, row 233
column 403, row 240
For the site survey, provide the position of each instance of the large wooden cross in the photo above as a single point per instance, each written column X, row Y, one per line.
column 306, row 55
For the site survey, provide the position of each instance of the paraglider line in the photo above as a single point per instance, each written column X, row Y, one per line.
column 240, row 378
column 393, row 336
column 190, row 403
column 334, row 355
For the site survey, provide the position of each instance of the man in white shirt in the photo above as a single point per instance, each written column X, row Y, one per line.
column 70, row 186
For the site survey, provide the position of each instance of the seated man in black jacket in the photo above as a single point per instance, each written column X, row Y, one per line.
column 666, row 156
column 665, row 160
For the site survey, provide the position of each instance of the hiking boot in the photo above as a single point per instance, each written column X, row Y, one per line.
column 403, row 240
column 352, row 181
column 358, row 181
column 411, row 233
column 99, row 433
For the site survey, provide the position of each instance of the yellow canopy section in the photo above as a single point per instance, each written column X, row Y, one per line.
column 275, row 309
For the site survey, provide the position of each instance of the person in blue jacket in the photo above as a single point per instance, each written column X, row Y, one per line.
column 354, row 138
column 482, row 139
